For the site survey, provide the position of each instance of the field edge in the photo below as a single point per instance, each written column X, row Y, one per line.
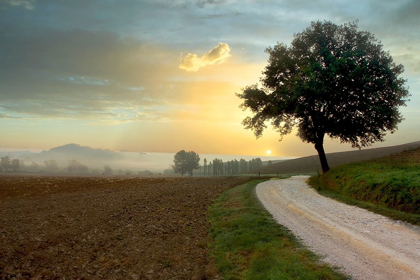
column 247, row 243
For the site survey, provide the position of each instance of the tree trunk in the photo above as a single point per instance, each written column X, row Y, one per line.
column 319, row 146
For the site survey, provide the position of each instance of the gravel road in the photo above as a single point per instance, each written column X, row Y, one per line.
column 365, row 245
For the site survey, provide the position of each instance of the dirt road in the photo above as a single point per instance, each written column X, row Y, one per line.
column 364, row 244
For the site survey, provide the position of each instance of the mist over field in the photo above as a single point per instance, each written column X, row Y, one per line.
column 98, row 158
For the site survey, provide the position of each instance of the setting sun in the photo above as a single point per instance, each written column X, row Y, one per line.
column 268, row 152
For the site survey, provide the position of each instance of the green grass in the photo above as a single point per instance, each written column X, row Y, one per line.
column 389, row 186
column 248, row 244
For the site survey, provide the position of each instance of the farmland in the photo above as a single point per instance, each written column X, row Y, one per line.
column 103, row 228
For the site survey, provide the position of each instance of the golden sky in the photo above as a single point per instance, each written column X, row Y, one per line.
column 161, row 76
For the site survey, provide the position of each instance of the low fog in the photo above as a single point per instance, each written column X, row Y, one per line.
column 76, row 159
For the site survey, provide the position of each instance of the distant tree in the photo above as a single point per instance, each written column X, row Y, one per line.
column 168, row 171
column 147, row 173
column 269, row 162
column 76, row 167
column 193, row 162
column 180, row 162
column 108, row 170
column 15, row 164
column 255, row 163
column 186, row 162
column 51, row 165
column 243, row 165
column 258, row 163
column 205, row 166
column 218, row 167
column 332, row 80
column 95, row 172
column 6, row 163
column 34, row 167
column 120, row 172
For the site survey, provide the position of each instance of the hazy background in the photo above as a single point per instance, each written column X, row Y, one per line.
column 161, row 76
column 96, row 159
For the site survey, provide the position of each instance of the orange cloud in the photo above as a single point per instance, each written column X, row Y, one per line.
column 217, row 55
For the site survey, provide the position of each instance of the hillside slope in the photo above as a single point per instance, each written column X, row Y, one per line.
column 389, row 185
column 310, row 164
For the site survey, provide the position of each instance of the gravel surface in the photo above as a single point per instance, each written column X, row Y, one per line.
column 365, row 245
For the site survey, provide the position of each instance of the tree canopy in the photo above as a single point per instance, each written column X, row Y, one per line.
column 186, row 162
column 332, row 80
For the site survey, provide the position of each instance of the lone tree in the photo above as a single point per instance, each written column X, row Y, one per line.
column 186, row 162
column 332, row 80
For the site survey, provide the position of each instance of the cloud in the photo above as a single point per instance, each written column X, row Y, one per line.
column 217, row 55
column 27, row 4
column 7, row 116
column 203, row 3
column 101, row 77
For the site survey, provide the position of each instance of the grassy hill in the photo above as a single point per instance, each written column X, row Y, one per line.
column 389, row 185
column 310, row 164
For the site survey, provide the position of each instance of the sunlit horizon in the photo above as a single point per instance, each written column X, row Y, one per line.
column 112, row 76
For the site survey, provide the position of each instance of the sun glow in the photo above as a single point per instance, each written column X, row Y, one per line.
column 268, row 152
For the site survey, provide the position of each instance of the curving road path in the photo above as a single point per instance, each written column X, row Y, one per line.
column 365, row 245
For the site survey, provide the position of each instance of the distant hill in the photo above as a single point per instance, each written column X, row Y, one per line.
column 77, row 151
column 97, row 158
column 63, row 154
column 311, row 164
column 16, row 154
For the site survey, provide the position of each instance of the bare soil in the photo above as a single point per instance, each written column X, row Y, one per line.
column 366, row 245
column 107, row 228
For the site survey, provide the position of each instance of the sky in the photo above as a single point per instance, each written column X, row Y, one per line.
column 161, row 76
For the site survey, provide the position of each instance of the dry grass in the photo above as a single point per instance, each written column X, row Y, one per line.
column 311, row 164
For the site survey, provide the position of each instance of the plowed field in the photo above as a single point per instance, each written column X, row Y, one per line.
column 107, row 228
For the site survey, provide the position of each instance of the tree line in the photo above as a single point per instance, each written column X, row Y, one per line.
column 233, row 167
column 6, row 163
column 186, row 162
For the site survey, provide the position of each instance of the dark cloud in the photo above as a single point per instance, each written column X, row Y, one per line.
column 79, row 73
column 218, row 16
column 203, row 3
column 67, row 52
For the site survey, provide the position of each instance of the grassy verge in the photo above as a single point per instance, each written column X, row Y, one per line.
column 249, row 244
column 389, row 186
